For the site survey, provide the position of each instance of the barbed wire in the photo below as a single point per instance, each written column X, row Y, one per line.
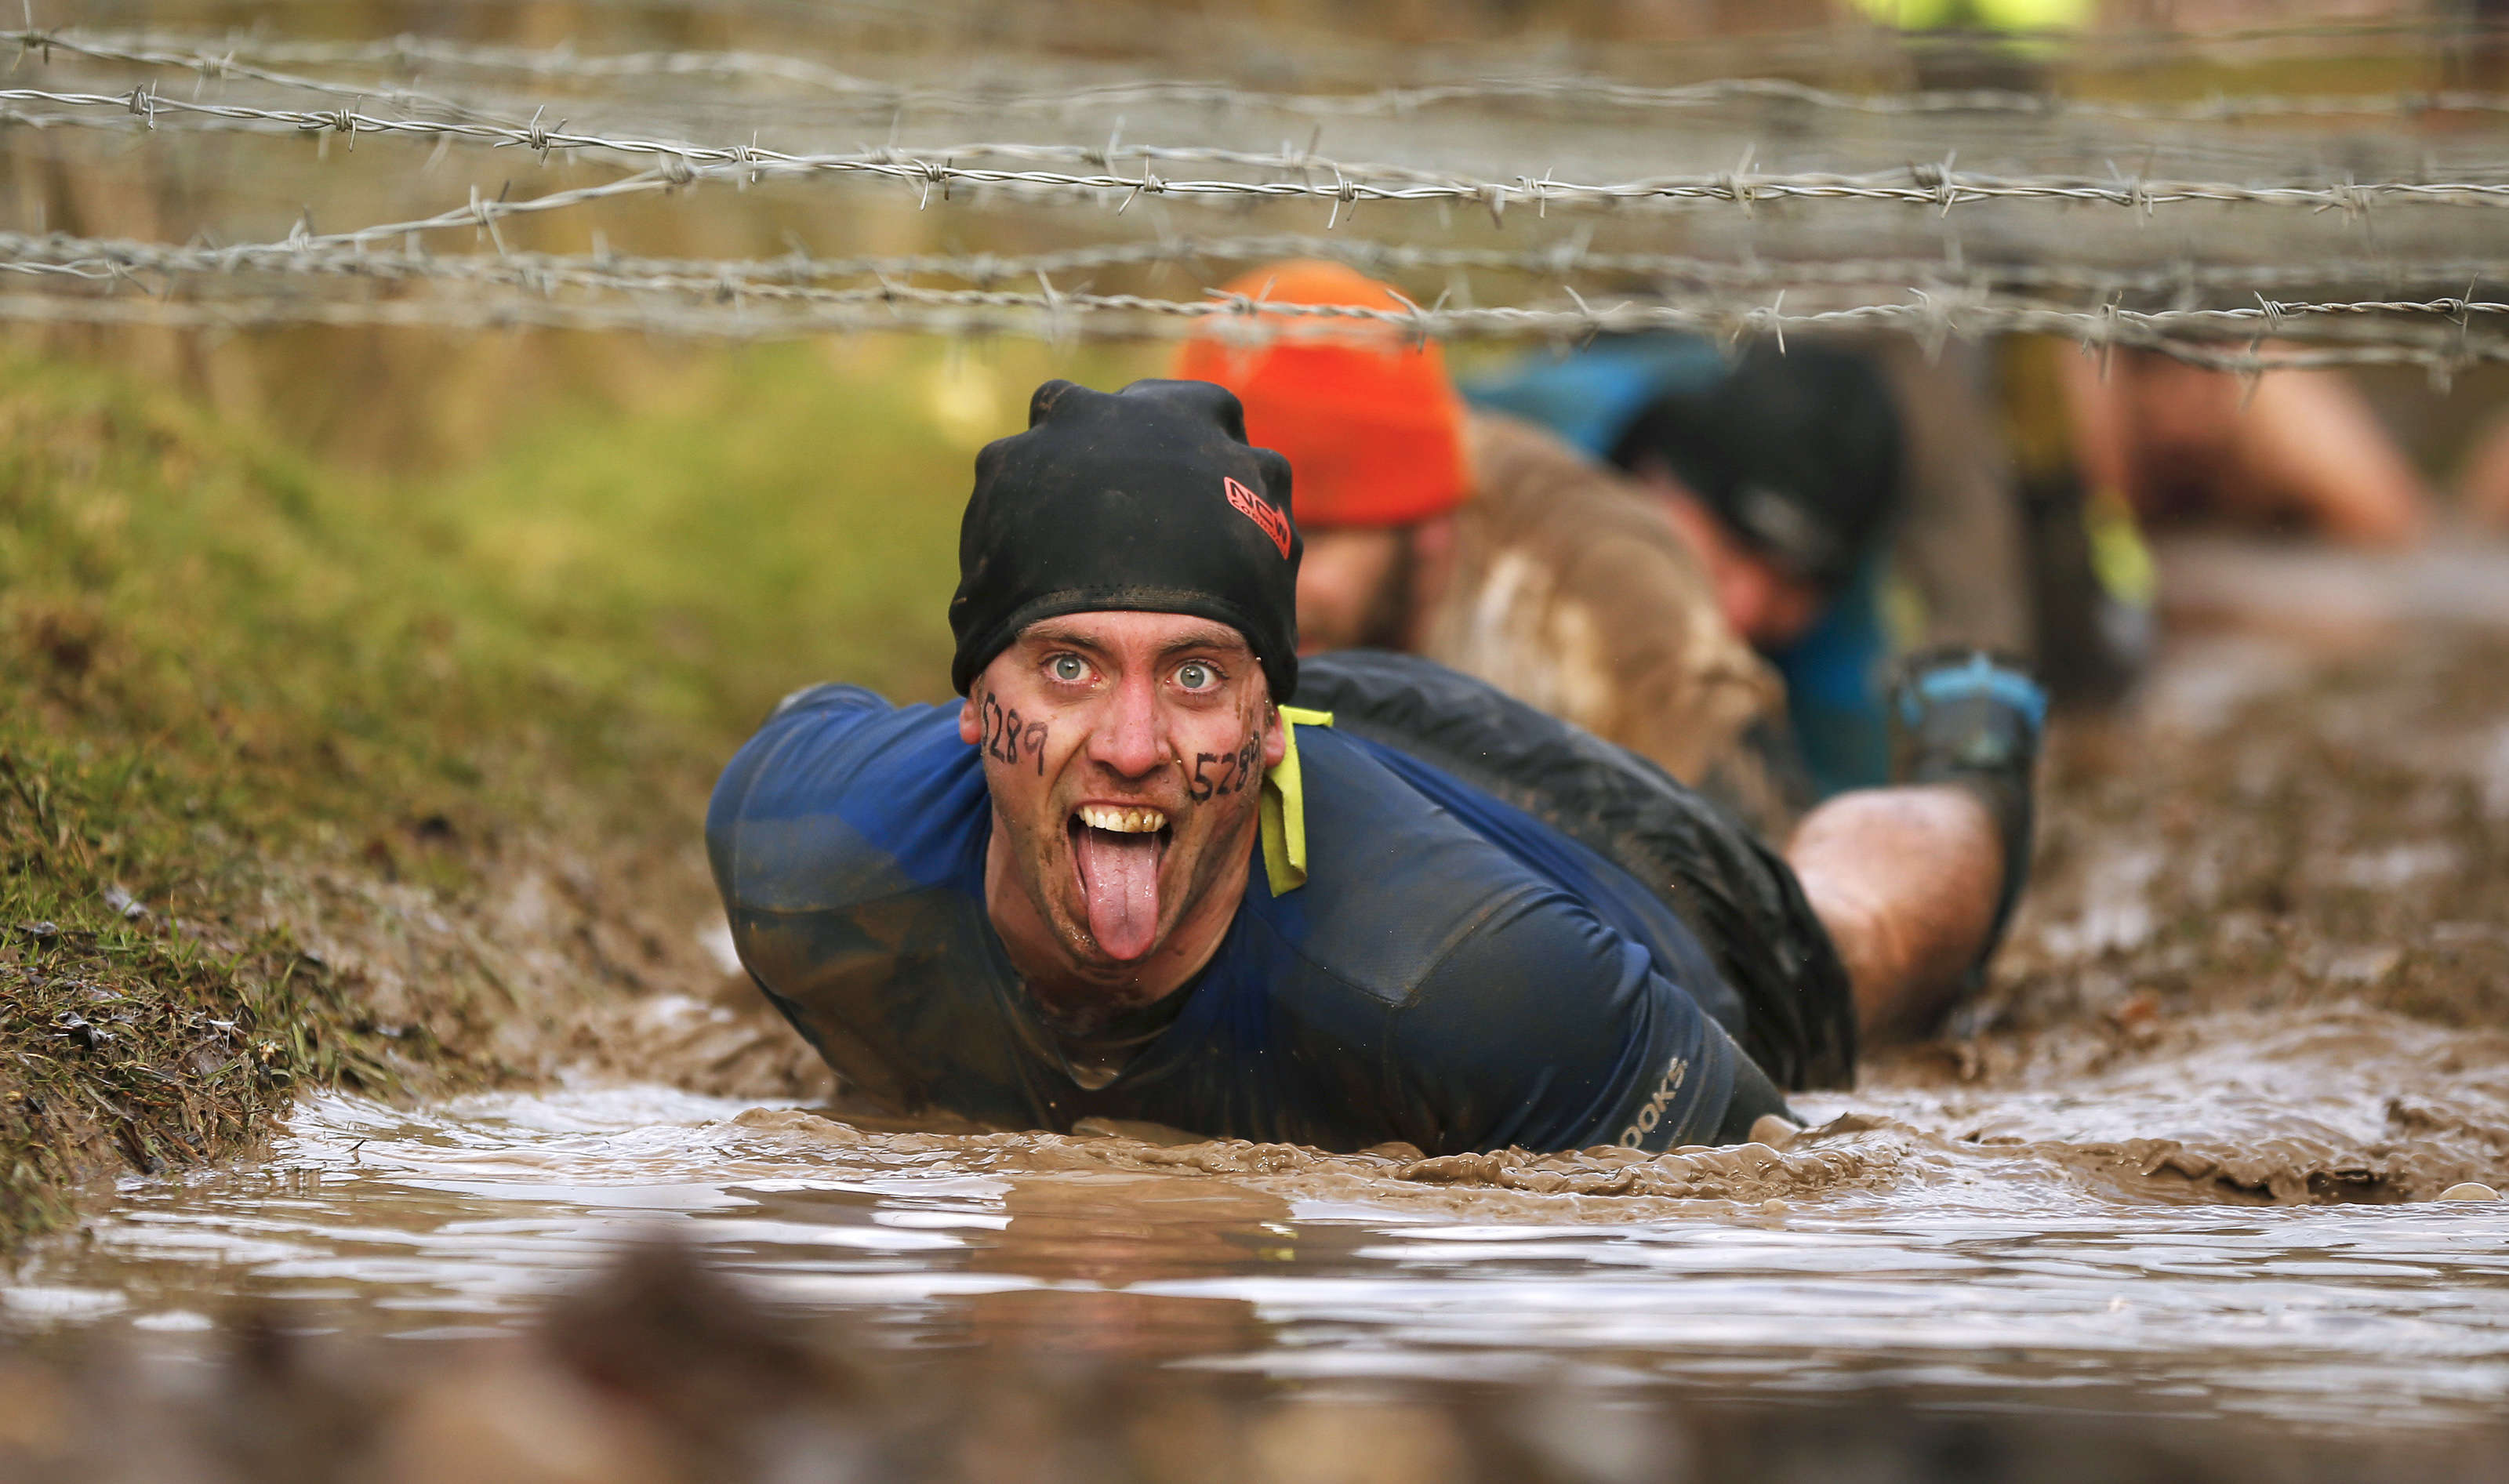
column 798, row 282
column 1049, row 313
column 762, row 283
column 106, row 258
column 213, row 61
column 1939, row 186
column 219, row 66
column 2430, row 314
column 109, row 259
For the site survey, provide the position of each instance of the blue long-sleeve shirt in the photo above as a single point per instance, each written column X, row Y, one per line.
column 1452, row 972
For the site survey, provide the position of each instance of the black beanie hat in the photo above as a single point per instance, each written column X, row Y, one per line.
column 1148, row 500
column 1797, row 451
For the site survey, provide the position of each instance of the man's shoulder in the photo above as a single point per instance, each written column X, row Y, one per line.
column 1401, row 887
column 842, row 797
column 1483, row 992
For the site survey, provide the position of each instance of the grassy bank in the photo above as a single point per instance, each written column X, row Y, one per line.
column 265, row 723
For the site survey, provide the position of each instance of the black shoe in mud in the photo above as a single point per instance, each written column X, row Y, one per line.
column 1967, row 716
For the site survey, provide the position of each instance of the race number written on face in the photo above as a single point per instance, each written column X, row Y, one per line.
column 1006, row 738
column 1220, row 775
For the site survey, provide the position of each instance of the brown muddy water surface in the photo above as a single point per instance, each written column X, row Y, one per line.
column 2188, row 1149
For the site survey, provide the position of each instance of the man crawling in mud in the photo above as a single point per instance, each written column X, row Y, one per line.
column 1127, row 879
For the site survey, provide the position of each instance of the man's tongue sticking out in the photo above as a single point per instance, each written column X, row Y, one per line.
column 1119, row 881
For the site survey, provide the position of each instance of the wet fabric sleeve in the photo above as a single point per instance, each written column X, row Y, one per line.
column 766, row 829
column 1546, row 1029
column 847, row 840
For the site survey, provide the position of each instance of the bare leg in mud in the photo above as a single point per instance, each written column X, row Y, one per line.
column 1905, row 880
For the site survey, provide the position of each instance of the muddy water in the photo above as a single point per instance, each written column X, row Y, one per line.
column 2187, row 1148
column 1924, row 1252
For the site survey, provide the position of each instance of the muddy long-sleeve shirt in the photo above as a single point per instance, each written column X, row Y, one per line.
column 1450, row 973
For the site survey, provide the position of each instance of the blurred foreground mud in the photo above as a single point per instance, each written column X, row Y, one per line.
column 659, row 1371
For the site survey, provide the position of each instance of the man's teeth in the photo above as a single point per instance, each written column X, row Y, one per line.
column 1123, row 821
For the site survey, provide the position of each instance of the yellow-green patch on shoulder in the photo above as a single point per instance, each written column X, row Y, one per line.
column 1284, row 806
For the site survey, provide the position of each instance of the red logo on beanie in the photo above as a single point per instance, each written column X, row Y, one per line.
column 1260, row 511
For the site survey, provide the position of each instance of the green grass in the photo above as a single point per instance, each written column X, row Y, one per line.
column 221, row 659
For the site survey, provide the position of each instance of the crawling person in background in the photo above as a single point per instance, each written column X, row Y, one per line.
column 2295, row 448
column 1485, row 543
column 1783, row 470
column 1126, row 879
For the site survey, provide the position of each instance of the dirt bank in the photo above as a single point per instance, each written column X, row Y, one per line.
column 308, row 778
column 166, row 988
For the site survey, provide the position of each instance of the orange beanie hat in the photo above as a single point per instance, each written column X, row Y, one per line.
column 1372, row 429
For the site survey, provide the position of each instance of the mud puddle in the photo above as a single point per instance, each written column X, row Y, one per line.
column 1993, row 1249
column 2188, row 1147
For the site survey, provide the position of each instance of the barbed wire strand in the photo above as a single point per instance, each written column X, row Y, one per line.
column 765, row 283
column 230, row 59
column 105, row 258
column 1925, row 185
column 218, row 66
column 1240, row 319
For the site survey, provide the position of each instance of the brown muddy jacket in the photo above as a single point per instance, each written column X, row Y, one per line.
column 1571, row 591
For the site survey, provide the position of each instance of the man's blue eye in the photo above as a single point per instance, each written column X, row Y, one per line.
column 1068, row 667
column 1193, row 677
